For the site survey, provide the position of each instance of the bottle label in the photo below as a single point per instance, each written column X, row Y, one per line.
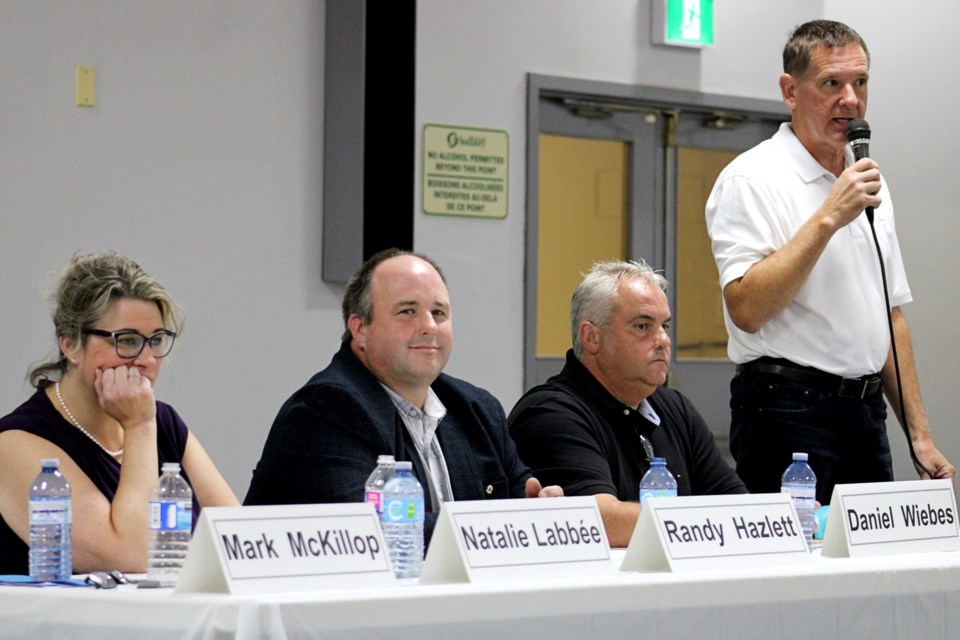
column 374, row 498
column 49, row 512
column 803, row 497
column 171, row 515
column 656, row 493
column 400, row 510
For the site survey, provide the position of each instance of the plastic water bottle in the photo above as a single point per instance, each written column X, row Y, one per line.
column 657, row 481
column 801, row 483
column 170, row 521
column 51, row 545
column 373, row 489
column 402, row 520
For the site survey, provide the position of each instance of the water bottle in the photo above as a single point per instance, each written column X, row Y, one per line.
column 657, row 481
column 170, row 521
column 51, row 552
column 402, row 520
column 801, row 483
column 373, row 489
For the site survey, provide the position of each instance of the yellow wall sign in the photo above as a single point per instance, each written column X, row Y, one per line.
column 465, row 171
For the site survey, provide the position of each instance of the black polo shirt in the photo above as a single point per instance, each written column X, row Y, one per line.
column 570, row 431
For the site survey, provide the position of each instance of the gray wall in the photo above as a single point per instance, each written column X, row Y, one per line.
column 203, row 160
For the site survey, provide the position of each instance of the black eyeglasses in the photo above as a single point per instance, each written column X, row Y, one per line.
column 108, row 580
column 129, row 344
column 101, row 580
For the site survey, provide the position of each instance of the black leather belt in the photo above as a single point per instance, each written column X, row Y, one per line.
column 826, row 382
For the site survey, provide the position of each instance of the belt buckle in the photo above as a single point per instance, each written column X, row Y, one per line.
column 850, row 383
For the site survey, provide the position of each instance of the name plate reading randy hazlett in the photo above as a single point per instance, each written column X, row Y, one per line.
column 881, row 518
column 693, row 533
column 494, row 540
column 272, row 549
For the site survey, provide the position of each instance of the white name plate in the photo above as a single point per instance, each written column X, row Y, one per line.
column 692, row 533
column 498, row 540
column 882, row 518
column 273, row 549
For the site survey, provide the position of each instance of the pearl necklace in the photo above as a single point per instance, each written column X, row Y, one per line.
column 113, row 454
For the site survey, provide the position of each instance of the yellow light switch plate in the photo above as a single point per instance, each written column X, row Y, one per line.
column 86, row 86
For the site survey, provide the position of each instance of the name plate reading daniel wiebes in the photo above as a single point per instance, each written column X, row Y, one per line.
column 486, row 541
column 881, row 518
column 272, row 549
column 694, row 533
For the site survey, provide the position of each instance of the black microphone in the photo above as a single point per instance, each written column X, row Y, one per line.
column 858, row 133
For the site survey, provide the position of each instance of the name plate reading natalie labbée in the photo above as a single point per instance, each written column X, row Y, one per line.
column 692, row 533
column 883, row 518
column 485, row 541
column 273, row 549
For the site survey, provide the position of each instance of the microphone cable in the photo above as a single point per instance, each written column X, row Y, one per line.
column 858, row 133
column 896, row 360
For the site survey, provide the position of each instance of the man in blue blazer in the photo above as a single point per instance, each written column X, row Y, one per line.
column 384, row 393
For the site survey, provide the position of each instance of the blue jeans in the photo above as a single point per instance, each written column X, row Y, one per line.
column 772, row 417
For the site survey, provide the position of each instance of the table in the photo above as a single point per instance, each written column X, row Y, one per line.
column 904, row 597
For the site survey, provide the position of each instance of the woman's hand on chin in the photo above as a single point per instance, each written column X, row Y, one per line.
column 126, row 395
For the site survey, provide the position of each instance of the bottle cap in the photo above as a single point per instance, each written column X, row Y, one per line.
column 50, row 462
column 384, row 459
column 171, row 467
column 404, row 464
column 801, row 456
column 662, row 461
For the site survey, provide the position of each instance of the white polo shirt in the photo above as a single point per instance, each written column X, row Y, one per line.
column 837, row 322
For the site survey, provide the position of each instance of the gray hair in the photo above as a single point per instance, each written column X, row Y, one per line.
column 89, row 284
column 594, row 298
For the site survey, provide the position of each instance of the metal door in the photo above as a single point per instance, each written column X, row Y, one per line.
column 671, row 146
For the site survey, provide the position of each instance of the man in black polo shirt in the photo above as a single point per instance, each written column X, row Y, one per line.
column 593, row 428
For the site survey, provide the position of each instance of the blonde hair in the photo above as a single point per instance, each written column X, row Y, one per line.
column 89, row 284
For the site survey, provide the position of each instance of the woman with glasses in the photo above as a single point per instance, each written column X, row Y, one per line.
column 95, row 410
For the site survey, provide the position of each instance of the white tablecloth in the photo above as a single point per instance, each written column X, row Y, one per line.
column 905, row 597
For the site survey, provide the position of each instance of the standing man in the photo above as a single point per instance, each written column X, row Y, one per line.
column 803, row 295
column 595, row 426
column 384, row 393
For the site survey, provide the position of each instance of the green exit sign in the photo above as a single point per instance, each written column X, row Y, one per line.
column 683, row 23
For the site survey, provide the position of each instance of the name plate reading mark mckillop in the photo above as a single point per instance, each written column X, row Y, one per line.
column 694, row 533
column 273, row 549
column 882, row 518
column 485, row 541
